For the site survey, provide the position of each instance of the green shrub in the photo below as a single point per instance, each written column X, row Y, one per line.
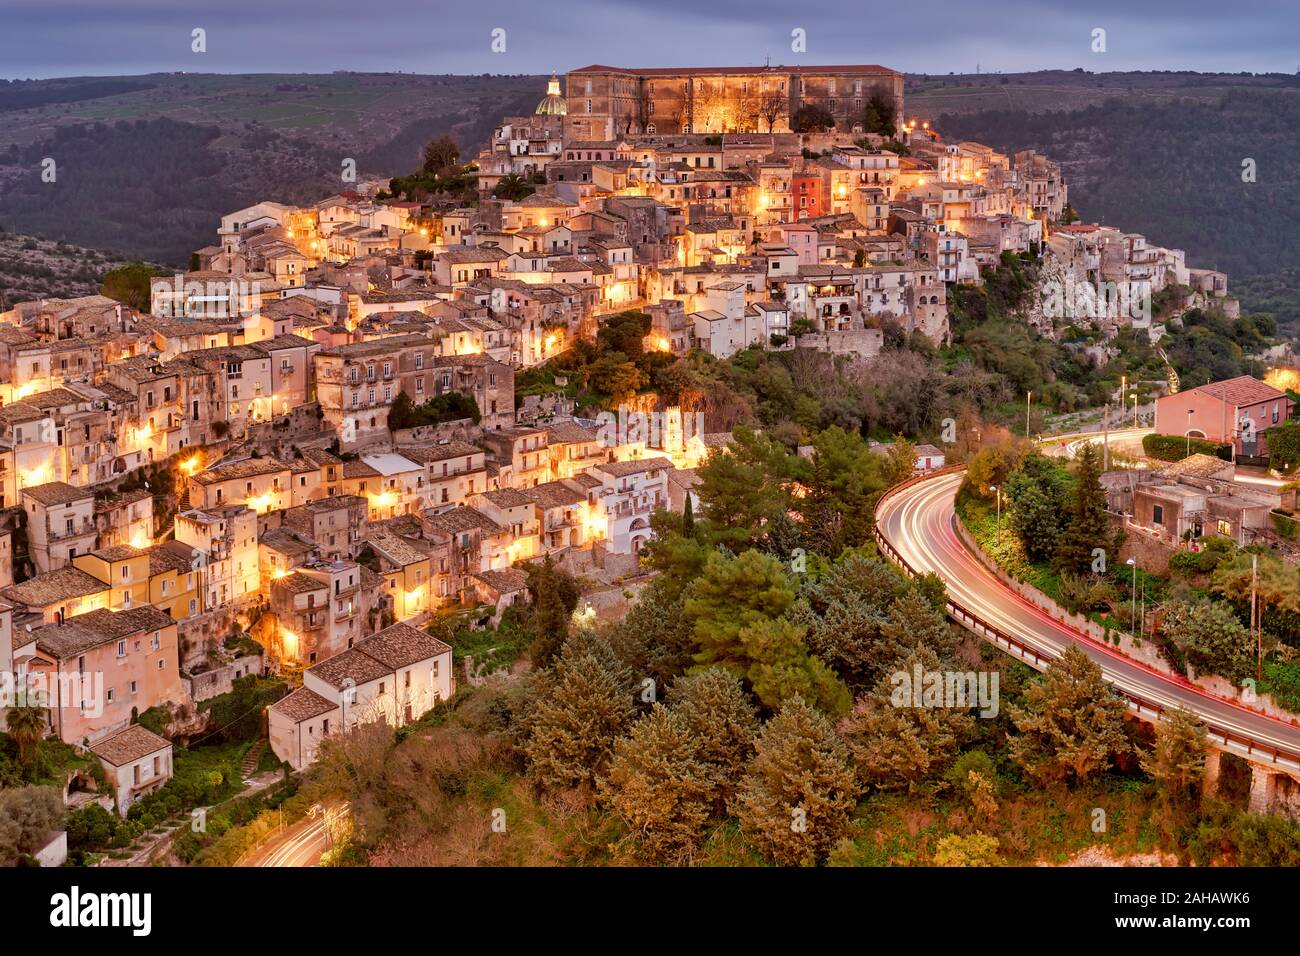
column 1175, row 448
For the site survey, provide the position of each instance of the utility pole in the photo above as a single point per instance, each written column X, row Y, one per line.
column 1028, row 396
column 1133, row 590
column 1255, row 623
column 1105, row 438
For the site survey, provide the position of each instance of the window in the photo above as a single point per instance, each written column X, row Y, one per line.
column 161, row 663
column 1225, row 527
column 133, row 687
column 1158, row 514
column 121, row 648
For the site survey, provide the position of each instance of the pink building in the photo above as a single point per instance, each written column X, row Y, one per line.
column 1236, row 411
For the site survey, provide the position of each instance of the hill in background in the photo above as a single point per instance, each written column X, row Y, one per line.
column 148, row 165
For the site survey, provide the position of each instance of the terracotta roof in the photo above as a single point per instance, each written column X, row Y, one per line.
column 461, row 519
column 303, row 704
column 296, row 583
column 57, row 493
column 634, row 466
column 505, row 581
column 352, row 665
column 397, row 549
column 130, row 744
column 507, row 498
column 79, row 634
column 1242, row 390
column 553, row 494
column 428, row 453
column 401, row 645
column 53, row 586
column 248, row 468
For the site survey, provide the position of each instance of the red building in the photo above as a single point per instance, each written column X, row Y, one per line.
column 807, row 195
column 1236, row 411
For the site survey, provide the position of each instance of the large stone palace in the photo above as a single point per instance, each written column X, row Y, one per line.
column 605, row 102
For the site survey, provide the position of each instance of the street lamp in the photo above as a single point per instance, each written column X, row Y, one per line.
column 1028, row 396
column 1133, row 617
column 998, row 525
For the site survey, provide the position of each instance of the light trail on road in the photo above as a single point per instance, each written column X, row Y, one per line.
column 917, row 520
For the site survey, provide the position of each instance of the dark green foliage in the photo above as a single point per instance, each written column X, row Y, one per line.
column 1174, row 447
column 1037, row 496
column 448, row 407
column 554, row 595
column 1089, row 525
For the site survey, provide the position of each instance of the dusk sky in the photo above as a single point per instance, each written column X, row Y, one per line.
column 46, row 38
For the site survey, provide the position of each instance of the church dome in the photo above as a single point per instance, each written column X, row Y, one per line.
column 553, row 103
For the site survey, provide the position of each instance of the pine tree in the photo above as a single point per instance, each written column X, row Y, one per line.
column 655, row 640
column 1089, row 526
column 913, row 622
column 895, row 745
column 660, row 786
column 720, row 717
column 580, row 707
column 796, row 800
column 1072, row 723
column 555, row 595
column 1177, row 765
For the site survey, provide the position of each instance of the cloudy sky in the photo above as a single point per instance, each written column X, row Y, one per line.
column 44, row 38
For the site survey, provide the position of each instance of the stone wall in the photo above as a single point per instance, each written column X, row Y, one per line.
column 220, row 680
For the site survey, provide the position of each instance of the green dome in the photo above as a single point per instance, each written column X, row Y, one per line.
column 553, row 103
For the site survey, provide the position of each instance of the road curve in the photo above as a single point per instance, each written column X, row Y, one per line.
column 300, row 845
column 915, row 529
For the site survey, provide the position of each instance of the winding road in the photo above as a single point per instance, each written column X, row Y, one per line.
column 915, row 529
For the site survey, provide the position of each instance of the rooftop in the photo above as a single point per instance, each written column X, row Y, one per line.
column 130, row 744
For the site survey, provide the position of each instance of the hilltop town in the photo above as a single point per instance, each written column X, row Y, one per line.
column 350, row 421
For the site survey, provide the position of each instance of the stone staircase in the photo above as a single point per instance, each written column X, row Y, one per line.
column 249, row 766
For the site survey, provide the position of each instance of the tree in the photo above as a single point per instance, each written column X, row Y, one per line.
column 896, row 746
column 513, row 187
column 1089, row 525
column 131, row 285
column 554, row 595
column 1177, row 765
column 796, row 800
column 736, row 607
column 688, row 516
column 655, row 639
column 900, row 460
column 811, row 118
column 1211, row 637
column 1072, row 722
column 743, row 490
column 718, row 714
column 660, row 787
column 440, row 155
column 878, row 116
column 27, row 816
column 843, row 482
column 27, row 725
column 913, row 621
column 771, row 104
column 1037, row 495
column 580, row 707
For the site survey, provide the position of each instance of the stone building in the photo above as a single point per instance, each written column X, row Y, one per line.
column 605, row 102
